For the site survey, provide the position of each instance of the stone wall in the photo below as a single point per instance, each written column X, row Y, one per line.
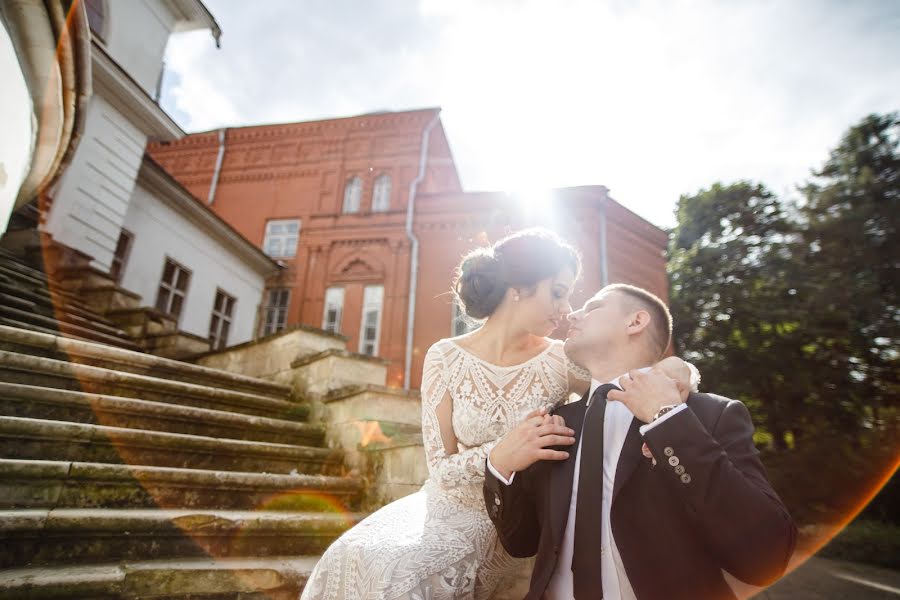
column 378, row 428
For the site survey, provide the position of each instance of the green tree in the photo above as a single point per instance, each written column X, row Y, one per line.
column 795, row 310
column 734, row 300
column 851, row 249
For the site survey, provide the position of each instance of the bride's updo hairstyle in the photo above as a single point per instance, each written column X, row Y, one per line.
column 520, row 260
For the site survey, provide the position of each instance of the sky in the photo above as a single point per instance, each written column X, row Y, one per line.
column 651, row 98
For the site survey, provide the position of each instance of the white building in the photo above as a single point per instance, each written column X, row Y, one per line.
column 115, row 205
column 128, row 43
column 176, row 242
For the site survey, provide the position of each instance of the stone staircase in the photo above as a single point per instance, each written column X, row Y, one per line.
column 27, row 300
column 128, row 475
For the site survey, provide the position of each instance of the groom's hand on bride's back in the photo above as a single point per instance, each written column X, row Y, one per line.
column 530, row 442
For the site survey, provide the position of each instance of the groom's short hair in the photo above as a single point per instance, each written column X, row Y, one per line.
column 660, row 318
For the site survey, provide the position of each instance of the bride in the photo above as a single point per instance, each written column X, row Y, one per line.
column 439, row 542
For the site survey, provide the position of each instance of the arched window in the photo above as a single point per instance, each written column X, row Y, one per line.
column 352, row 194
column 96, row 14
column 381, row 194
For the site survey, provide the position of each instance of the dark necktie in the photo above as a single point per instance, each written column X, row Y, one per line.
column 586, row 574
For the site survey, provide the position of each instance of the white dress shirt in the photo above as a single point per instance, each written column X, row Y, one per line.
column 616, row 586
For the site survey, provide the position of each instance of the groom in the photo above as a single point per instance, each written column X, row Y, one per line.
column 657, row 495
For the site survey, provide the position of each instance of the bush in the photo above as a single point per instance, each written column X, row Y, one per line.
column 824, row 480
column 871, row 542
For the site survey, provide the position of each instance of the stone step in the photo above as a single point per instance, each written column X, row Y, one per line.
column 18, row 267
column 61, row 313
column 104, row 298
column 45, row 301
column 36, row 281
column 143, row 320
column 272, row 578
column 18, row 400
column 7, row 322
column 110, row 357
column 47, row 372
column 62, row 484
column 34, row 538
column 37, row 439
column 15, row 301
column 67, row 324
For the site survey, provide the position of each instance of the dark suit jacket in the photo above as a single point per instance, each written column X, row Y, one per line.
column 674, row 533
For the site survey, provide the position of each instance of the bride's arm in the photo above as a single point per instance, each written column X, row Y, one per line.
column 579, row 378
column 686, row 375
column 447, row 465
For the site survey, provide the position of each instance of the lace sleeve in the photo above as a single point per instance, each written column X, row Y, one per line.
column 695, row 377
column 579, row 378
column 447, row 465
column 681, row 371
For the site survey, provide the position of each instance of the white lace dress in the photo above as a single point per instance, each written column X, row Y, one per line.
column 439, row 542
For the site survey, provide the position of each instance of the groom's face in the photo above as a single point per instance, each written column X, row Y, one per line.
column 600, row 324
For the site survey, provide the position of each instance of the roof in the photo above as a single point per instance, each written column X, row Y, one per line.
column 151, row 172
column 335, row 120
column 194, row 15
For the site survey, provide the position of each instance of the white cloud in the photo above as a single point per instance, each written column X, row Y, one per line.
column 652, row 98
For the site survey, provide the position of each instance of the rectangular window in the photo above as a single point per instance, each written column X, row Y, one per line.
column 461, row 324
column 276, row 310
column 120, row 258
column 220, row 322
column 334, row 308
column 381, row 194
column 172, row 288
column 96, row 16
column 370, row 326
column 281, row 238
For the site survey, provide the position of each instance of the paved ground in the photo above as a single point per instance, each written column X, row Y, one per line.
column 816, row 579
column 826, row 579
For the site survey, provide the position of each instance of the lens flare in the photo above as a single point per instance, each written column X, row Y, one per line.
column 301, row 500
column 370, row 433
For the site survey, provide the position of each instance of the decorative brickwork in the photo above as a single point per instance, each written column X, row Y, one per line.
column 299, row 171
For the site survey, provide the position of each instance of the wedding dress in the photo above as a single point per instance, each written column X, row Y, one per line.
column 439, row 542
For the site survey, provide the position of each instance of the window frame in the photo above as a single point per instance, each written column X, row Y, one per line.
column 352, row 195
column 376, row 341
column 120, row 262
column 103, row 14
column 381, row 190
column 221, row 318
column 269, row 236
column 172, row 290
column 337, row 293
column 279, row 323
column 458, row 318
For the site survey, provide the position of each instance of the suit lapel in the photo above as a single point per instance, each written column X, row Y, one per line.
column 561, row 475
column 630, row 457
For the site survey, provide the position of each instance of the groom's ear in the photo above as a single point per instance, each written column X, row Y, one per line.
column 638, row 322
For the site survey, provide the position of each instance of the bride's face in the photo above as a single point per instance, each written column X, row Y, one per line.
column 544, row 308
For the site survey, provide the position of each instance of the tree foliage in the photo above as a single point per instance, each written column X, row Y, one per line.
column 793, row 308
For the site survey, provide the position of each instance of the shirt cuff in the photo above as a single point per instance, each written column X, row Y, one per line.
column 645, row 428
column 498, row 475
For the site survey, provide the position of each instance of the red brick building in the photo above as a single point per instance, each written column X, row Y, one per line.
column 347, row 203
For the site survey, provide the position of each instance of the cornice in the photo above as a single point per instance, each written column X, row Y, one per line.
column 155, row 179
column 118, row 88
column 413, row 119
column 192, row 14
column 268, row 174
